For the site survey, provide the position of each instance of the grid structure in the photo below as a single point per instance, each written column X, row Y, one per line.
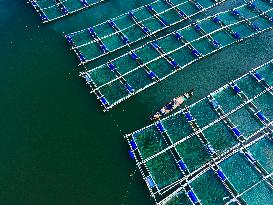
column 224, row 141
column 143, row 67
column 50, row 10
column 144, row 22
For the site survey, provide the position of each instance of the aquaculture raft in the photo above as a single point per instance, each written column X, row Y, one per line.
column 145, row 66
column 50, row 10
column 144, row 22
column 216, row 151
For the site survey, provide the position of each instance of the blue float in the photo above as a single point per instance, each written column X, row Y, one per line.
column 210, row 149
column 160, row 127
column 150, row 182
column 44, row 17
column 163, row 22
column 198, row 6
column 131, row 154
column 82, row 58
column 250, row 157
column 103, row 101
column 131, row 14
column 236, row 131
column 112, row 23
column 91, row 31
column 255, row 27
column 214, row 104
column 178, row 36
column 125, row 39
column 196, row 53
column 129, row 87
column 192, row 196
column 235, row 12
column 145, row 30
column 261, row 116
column 181, row 13
column 103, row 48
column 174, row 64
column 188, row 116
column 236, row 35
column 258, row 76
column 252, row 5
column 152, row 75
column 236, row 89
column 155, row 45
column 112, row 66
column 85, row 3
column 197, row 27
column 215, row 43
column 64, row 10
column 33, row 3
column 133, row 144
column 150, row 8
column 221, row 175
column 182, row 165
column 69, row 40
column 216, row 19
column 134, row 55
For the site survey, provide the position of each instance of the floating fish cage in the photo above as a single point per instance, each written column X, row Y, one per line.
column 153, row 62
column 142, row 23
column 215, row 151
column 50, row 10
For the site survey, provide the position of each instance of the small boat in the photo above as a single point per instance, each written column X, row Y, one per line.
column 171, row 106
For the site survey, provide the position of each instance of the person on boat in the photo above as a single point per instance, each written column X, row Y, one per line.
column 175, row 103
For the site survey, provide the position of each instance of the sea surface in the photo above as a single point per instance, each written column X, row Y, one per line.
column 57, row 146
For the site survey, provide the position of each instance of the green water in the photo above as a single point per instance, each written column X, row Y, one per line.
column 57, row 146
column 220, row 137
column 164, row 170
column 263, row 152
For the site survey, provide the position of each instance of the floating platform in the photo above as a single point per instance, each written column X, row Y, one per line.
column 218, row 150
column 50, row 10
column 153, row 62
column 142, row 23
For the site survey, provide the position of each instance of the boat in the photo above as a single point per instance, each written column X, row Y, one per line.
column 172, row 105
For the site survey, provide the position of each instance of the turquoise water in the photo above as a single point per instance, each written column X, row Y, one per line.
column 263, row 152
column 265, row 108
column 227, row 99
column 210, row 189
column 260, row 194
column 245, row 121
column 240, row 172
column 57, row 146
